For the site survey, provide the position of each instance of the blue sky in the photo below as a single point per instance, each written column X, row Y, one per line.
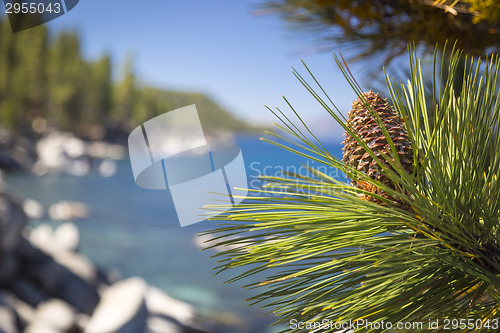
column 221, row 48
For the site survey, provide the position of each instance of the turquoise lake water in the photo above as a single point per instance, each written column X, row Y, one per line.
column 136, row 232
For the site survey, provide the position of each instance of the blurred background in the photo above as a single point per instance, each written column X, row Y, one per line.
column 82, row 248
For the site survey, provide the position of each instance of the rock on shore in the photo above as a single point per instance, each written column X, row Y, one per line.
column 63, row 152
column 16, row 153
column 47, row 287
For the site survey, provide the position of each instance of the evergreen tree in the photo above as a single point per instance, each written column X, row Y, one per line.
column 65, row 69
column 7, row 56
column 45, row 75
column 28, row 73
column 22, row 83
column 125, row 95
column 98, row 92
column 383, row 28
column 148, row 105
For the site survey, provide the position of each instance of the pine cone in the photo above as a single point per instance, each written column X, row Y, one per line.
column 366, row 127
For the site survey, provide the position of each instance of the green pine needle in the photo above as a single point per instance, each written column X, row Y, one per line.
column 330, row 255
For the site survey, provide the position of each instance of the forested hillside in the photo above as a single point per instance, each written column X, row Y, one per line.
column 45, row 78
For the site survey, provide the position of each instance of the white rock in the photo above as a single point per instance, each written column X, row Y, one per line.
column 33, row 209
column 67, row 236
column 101, row 149
column 56, row 313
column 82, row 321
column 25, row 312
column 78, row 167
column 77, row 264
column 41, row 327
column 67, row 210
column 74, row 147
column 62, row 152
column 161, row 325
column 42, row 237
column 121, row 308
column 50, row 150
column 161, row 304
column 107, row 168
column 98, row 149
column 7, row 320
column 116, row 152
